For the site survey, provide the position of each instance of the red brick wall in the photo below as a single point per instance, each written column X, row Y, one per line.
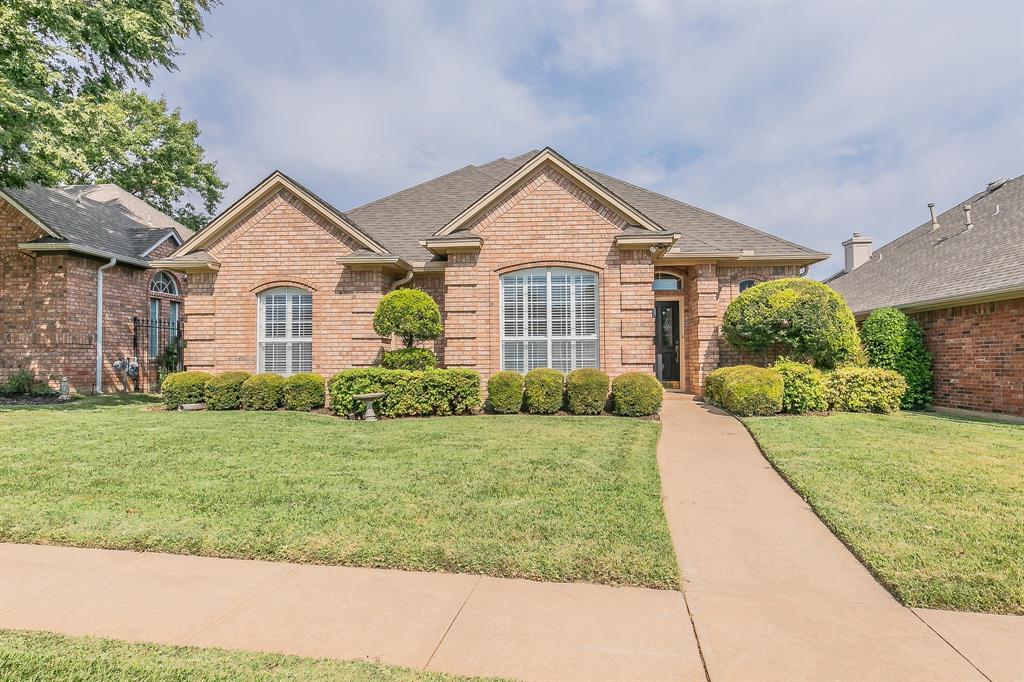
column 283, row 242
column 549, row 221
column 978, row 353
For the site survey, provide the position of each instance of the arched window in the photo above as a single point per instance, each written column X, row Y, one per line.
column 164, row 312
column 285, row 331
column 666, row 282
column 163, row 283
column 548, row 319
column 746, row 284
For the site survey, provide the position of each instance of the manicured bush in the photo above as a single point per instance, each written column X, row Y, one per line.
column 183, row 388
column 544, row 391
column 715, row 382
column 304, row 392
column 895, row 341
column 409, row 358
column 586, row 391
column 803, row 387
column 410, row 314
column 505, row 392
column 263, row 392
column 866, row 389
column 19, row 383
column 750, row 391
column 224, row 391
column 806, row 318
column 635, row 394
column 407, row 393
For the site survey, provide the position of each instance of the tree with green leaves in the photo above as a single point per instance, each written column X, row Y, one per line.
column 410, row 314
column 895, row 341
column 68, row 115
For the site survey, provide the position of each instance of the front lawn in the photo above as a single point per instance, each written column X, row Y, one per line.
column 933, row 504
column 45, row 657
column 548, row 498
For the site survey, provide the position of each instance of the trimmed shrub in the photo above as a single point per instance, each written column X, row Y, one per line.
column 19, row 383
column 807, row 318
column 895, row 341
column 635, row 394
column 715, row 382
column 407, row 393
column 505, row 392
column 224, row 391
column 586, row 391
column 409, row 358
column 182, row 388
column 263, row 392
column 751, row 391
column 866, row 389
column 803, row 387
column 544, row 391
column 304, row 392
column 410, row 314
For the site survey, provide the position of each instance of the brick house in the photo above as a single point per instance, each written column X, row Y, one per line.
column 534, row 262
column 66, row 253
column 961, row 275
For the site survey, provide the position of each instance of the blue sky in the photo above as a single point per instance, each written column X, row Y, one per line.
column 806, row 120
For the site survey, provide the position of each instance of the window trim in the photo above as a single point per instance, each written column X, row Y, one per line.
column 288, row 339
column 171, row 288
column 526, row 337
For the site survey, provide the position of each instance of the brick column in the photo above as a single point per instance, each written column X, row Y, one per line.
column 708, row 321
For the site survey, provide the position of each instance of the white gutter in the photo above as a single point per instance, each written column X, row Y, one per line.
column 399, row 282
column 78, row 248
column 99, row 323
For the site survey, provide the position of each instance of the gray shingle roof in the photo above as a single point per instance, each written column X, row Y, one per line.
column 951, row 262
column 401, row 220
column 103, row 217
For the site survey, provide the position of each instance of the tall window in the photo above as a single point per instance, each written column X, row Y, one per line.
column 285, row 331
column 548, row 319
column 164, row 312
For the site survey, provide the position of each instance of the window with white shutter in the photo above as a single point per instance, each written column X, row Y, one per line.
column 285, row 343
column 549, row 319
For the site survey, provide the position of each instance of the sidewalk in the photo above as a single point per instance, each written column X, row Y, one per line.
column 463, row 624
column 775, row 596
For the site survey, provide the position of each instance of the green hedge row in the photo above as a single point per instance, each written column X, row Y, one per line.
column 581, row 391
column 234, row 390
column 794, row 387
column 407, row 393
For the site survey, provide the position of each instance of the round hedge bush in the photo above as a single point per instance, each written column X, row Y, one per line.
column 803, row 387
column 224, row 391
column 545, row 391
column 715, row 382
column 895, row 341
column 586, row 391
column 752, row 391
column 807, row 318
column 410, row 314
column 263, row 392
column 304, row 392
column 635, row 394
column 866, row 389
column 183, row 388
column 505, row 392
column 409, row 358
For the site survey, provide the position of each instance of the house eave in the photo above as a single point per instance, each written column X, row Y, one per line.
column 444, row 246
column 938, row 303
column 739, row 258
column 637, row 241
column 80, row 249
column 185, row 265
column 374, row 262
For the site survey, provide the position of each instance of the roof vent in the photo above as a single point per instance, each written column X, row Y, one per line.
column 967, row 216
column 931, row 210
column 995, row 184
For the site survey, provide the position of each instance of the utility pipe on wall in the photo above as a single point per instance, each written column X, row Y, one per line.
column 99, row 323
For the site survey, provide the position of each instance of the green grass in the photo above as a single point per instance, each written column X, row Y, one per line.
column 42, row 657
column 932, row 504
column 547, row 498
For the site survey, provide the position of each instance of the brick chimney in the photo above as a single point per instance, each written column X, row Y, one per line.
column 858, row 251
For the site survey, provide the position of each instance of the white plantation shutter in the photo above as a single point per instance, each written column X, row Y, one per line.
column 285, row 343
column 549, row 319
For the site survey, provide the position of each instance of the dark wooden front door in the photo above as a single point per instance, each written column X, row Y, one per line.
column 666, row 340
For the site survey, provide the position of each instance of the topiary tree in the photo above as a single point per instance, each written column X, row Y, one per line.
column 586, row 391
column 806, row 318
column 410, row 314
column 895, row 341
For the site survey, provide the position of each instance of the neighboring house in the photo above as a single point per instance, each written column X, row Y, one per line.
column 534, row 261
column 961, row 275
column 64, row 254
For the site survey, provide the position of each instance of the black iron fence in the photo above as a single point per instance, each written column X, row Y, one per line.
column 158, row 346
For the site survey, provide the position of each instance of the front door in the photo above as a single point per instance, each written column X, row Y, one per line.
column 666, row 340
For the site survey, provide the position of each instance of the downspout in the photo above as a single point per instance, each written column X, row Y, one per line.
column 399, row 282
column 99, row 322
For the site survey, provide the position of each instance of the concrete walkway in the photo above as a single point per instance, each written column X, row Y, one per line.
column 775, row 596
column 461, row 624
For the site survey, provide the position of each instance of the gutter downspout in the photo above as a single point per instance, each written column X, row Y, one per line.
column 399, row 282
column 99, row 323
